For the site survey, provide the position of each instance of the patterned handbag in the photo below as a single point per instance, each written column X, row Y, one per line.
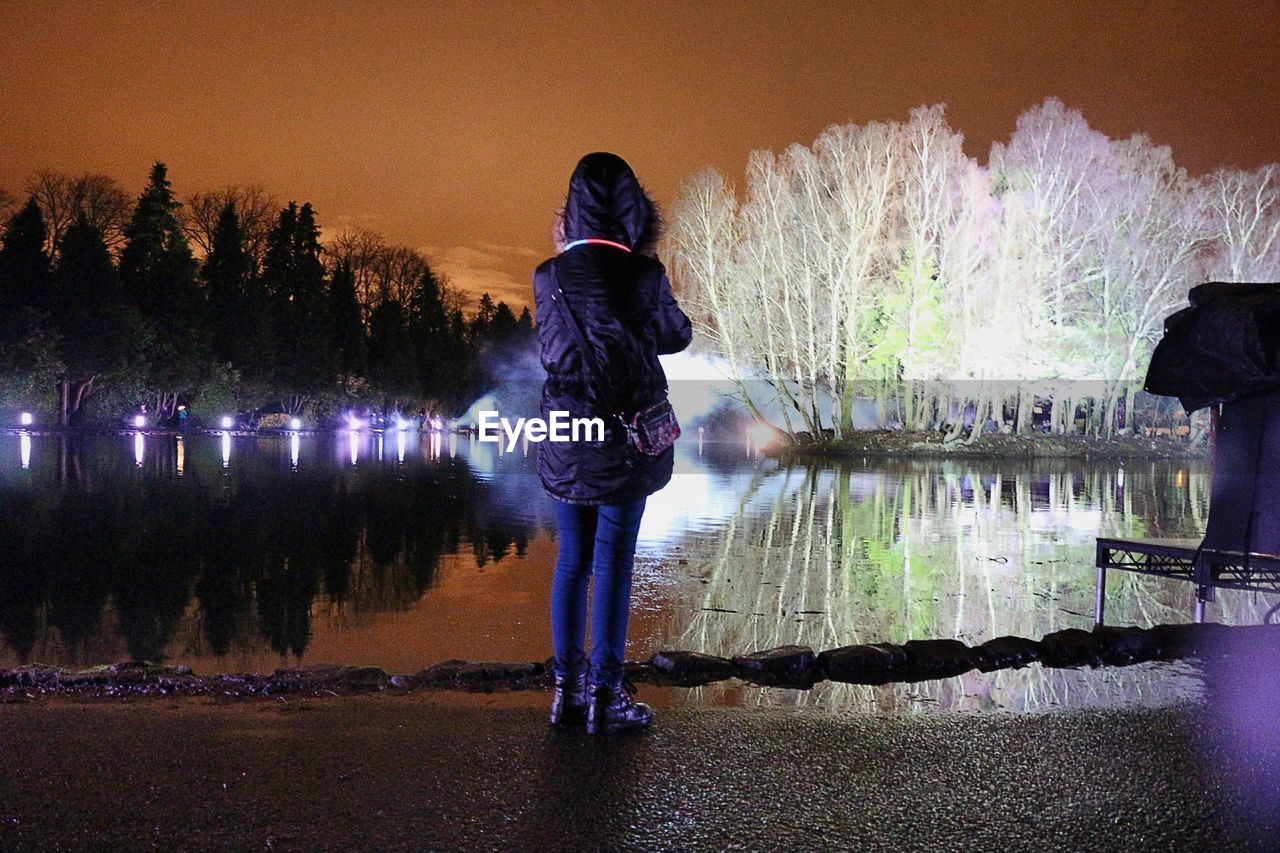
column 654, row 428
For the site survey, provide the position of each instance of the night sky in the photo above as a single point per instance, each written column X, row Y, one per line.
column 453, row 127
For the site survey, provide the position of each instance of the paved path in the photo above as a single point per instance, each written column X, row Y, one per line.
column 449, row 772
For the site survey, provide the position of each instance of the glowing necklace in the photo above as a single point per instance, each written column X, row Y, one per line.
column 597, row 240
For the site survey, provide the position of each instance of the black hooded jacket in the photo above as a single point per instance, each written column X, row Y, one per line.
column 624, row 306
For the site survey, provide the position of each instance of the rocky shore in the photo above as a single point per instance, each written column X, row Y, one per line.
column 796, row 667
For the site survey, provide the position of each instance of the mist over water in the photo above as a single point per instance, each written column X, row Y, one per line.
column 404, row 549
column 698, row 384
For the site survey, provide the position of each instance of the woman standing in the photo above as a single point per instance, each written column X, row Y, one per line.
column 608, row 293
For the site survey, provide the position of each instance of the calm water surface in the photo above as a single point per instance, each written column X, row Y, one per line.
column 237, row 554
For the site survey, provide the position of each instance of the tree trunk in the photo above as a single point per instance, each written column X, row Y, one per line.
column 979, row 417
column 84, row 388
column 1026, row 409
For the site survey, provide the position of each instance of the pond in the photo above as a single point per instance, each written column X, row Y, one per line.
column 244, row 553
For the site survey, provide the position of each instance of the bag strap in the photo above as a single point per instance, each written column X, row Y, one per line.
column 588, row 355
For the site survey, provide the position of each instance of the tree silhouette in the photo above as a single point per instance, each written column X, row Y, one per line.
column 240, row 328
column 391, row 355
column 294, row 278
column 88, row 314
column 348, row 330
column 24, row 264
column 159, row 276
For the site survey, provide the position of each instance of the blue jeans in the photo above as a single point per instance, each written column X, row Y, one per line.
column 599, row 540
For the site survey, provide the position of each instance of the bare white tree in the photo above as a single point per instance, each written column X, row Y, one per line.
column 881, row 255
column 1244, row 213
column 1146, row 265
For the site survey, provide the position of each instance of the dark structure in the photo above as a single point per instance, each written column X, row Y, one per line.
column 1223, row 351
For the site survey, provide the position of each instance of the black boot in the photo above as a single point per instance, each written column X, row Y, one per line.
column 570, row 699
column 613, row 710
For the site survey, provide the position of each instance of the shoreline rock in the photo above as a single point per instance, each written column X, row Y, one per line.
column 793, row 667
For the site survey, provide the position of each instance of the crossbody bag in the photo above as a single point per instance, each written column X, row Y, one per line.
column 650, row 430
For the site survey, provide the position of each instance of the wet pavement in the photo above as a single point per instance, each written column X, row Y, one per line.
column 465, row 771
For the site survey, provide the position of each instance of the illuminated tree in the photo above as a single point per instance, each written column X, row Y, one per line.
column 928, row 277
column 701, row 243
column 1244, row 218
column 882, row 261
column 1145, row 266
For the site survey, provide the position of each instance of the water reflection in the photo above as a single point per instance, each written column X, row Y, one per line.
column 159, row 567
column 305, row 554
column 827, row 556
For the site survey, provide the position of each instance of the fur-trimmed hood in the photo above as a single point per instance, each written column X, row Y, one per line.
column 606, row 200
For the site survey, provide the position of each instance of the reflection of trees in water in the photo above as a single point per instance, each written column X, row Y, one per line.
column 827, row 557
column 247, row 555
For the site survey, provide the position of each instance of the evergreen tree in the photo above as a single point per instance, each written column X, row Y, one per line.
column 348, row 330
column 278, row 264
column 29, row 359
column 482, row 323
column 504, row 325
column 240, row 322
column 24, row 264
column 391, row 355
column 225, row 271
column 156, row 266
column 436, row 350
column 88, row 314
column 524, row 325
column 294, row 278
column 159, row 277
column 315, row 327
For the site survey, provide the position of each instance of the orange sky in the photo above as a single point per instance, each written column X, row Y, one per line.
column 453, row 126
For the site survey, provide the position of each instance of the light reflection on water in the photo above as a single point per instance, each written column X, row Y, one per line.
column 315, row 548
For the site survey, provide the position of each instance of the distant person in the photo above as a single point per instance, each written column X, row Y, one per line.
column 607, row 290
